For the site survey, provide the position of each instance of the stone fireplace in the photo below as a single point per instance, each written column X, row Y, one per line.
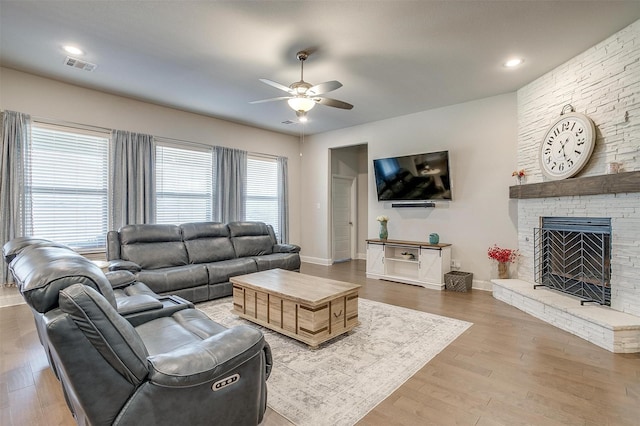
column 606, row 209
column 600, row 83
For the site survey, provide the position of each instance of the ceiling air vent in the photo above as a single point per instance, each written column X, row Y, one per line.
column 80, row 64
column 288, row 122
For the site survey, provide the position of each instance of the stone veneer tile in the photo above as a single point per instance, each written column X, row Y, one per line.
column 600, row 325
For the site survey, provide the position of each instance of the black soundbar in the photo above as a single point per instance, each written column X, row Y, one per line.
column 421, row 204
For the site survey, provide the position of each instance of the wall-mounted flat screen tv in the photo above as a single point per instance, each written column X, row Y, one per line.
column 418, row 177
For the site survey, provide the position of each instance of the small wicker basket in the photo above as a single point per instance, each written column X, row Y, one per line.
column 458, row 281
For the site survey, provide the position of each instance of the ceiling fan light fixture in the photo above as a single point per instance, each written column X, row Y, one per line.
column 302, row 116
column 300, row 103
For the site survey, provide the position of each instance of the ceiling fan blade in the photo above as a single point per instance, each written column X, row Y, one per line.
column 332, row 103
column 325, row 87
column 281, row 98
column 276, row 85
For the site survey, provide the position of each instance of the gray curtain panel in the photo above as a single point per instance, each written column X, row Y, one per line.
column 231, row 184
column 14, row 188
column 283, row 198
column 132, row 179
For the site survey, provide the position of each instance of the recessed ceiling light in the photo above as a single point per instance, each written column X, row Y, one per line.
column 73, row 50
column 511, row 63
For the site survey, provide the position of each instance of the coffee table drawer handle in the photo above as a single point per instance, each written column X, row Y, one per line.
column 338, row 315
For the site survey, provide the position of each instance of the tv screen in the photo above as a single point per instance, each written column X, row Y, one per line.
column 418, row 177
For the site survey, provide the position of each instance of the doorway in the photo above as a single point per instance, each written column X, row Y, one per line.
column 349, row 199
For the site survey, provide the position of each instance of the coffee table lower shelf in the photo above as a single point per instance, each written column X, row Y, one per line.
column 312, row 325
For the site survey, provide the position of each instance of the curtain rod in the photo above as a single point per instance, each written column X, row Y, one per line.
column 106, row 129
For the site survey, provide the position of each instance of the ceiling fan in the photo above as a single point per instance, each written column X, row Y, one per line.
column 302, row 95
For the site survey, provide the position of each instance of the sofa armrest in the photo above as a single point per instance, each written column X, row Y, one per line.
column 286, row 248
column 207, row 360
column 121, row 278
column 124, row 265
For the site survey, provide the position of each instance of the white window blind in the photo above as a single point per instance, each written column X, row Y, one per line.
column 184, row 182
column 262, row 191
column 68, row 180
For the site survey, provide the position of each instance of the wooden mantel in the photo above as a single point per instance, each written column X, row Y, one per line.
column 589, row 185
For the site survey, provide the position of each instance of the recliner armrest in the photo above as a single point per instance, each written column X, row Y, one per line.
column 137, row 303
column 121, row 278
column 286, row 248
column 207, row 360
column 124, row 265
column 169, row 306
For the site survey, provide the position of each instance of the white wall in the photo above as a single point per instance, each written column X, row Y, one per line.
column 481, row 139
column 46, row 98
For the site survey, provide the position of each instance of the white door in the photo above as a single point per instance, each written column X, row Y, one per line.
column 342, row 221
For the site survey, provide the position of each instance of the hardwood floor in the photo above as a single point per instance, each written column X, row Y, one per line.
column 507, row 369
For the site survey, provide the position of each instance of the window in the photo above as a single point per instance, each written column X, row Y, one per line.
column 262, row 192
column 184, row 179
column 67, row 175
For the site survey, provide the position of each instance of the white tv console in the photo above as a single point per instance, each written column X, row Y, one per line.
column 423, row 264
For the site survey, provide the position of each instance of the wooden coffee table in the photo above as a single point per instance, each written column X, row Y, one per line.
column 306, row 308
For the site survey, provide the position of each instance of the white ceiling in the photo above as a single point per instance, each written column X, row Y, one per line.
column 393, row 57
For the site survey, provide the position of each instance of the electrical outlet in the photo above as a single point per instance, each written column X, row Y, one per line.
column 455, row 263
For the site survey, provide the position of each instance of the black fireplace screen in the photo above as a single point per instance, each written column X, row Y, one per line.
column 573, row 255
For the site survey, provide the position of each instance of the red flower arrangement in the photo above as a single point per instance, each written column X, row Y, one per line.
column 519, row 173
column 502, row 255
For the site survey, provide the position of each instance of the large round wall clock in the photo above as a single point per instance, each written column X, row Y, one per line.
column 567, row 145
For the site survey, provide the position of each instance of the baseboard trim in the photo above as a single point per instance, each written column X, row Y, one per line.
column 316, row 260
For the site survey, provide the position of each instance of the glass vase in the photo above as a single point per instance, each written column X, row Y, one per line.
column 383, row 230
column 503, row 270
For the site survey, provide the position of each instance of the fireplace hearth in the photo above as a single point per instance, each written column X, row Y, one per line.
column 573, row 255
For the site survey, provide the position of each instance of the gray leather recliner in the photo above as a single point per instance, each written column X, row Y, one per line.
column 172, row 365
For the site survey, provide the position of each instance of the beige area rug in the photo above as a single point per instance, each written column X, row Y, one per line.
column 342, row 380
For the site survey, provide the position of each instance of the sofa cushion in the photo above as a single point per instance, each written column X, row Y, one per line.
column 153, row 246
column 289, row 261
column 207, row 242
column 220, row 272
column 166, row 280
column 250, row 238
column 40, row 272
column 12, row 248
column 182, row 328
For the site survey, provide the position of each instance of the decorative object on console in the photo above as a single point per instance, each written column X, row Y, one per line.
column 503, row 256
column 567, row 145
column 520, row 175
column 434, row 238
column 384, row 233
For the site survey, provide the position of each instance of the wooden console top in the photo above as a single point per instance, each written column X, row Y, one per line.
column 407, row 243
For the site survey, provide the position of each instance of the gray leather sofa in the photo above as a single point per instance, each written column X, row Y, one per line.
column 196, row 260
column 172, row 365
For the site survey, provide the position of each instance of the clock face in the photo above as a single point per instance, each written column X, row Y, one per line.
column 567, row 146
